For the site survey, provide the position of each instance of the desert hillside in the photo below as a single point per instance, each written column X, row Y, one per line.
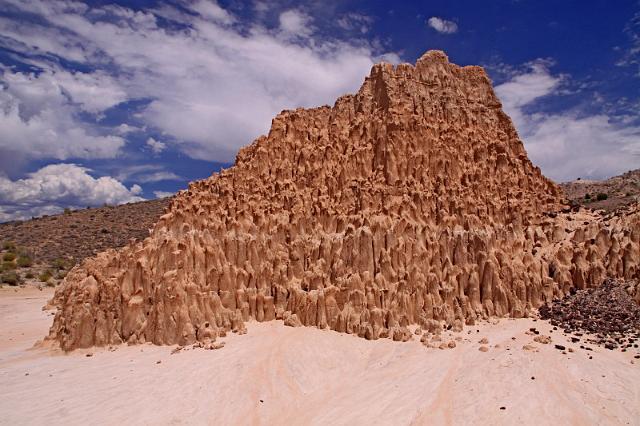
column 78, row 234
column 51, row 245
column 608, row 194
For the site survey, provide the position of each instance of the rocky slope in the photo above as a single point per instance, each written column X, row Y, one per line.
column 79, row 234
column 609, row 314
column 410, row 202
column 608, row 195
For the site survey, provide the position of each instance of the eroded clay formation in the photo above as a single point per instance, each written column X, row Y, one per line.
column 410, row 202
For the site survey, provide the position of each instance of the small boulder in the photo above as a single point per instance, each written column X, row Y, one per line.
column 291, row 320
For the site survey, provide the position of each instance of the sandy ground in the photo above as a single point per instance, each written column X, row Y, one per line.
column 288, row 376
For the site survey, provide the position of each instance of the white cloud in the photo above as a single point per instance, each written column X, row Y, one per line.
column 56, row 186
column 570, row 143
column 163, row 194
column 156, row 146
column 125, row 128
column 631, row 53
column 260, row 7
column 209, row 9
column 144, row 173
column 355, row 22
column 41, row 40
column 214, row 85
column 157, row 177
column 296, row 23
column 94, row 92
column 442, row 25
column 38, row 117
column 526, row 87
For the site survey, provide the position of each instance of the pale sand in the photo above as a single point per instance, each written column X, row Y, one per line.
column 282, row 375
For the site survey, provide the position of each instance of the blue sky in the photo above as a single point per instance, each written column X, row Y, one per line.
column 118, row 101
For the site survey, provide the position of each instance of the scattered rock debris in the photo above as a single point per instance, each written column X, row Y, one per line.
column 608, row 313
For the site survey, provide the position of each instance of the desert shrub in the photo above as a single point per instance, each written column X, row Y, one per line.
column 45, row 276
column 587, row 196
column 9, row 246
column 602, row 196
column 67, row 210
column 29, row 275
column 8, row 266
column 60, row 275
column 9, row 257
column 24, row 261
column 10, row 278
column 59, row 263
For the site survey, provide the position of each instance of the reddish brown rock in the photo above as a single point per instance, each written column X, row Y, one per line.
column 411, row 202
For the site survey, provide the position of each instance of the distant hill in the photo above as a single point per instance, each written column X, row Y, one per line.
column 78, row 234
column 607, row 194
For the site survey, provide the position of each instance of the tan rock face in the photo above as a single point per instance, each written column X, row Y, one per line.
column 411, row 202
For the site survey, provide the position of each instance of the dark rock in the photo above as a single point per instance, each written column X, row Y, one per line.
column 609, row 313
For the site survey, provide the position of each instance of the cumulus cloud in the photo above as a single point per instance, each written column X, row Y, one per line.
column 213, row 82
column 210, row 10
column 156, row 146
column 296, row 23
column 56, row 186
column 38, row 115
column 125, row 128
column 525, row 87
column 442, row 25
column 571, row 143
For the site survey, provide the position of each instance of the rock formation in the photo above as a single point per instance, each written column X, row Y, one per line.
column 410, row 202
